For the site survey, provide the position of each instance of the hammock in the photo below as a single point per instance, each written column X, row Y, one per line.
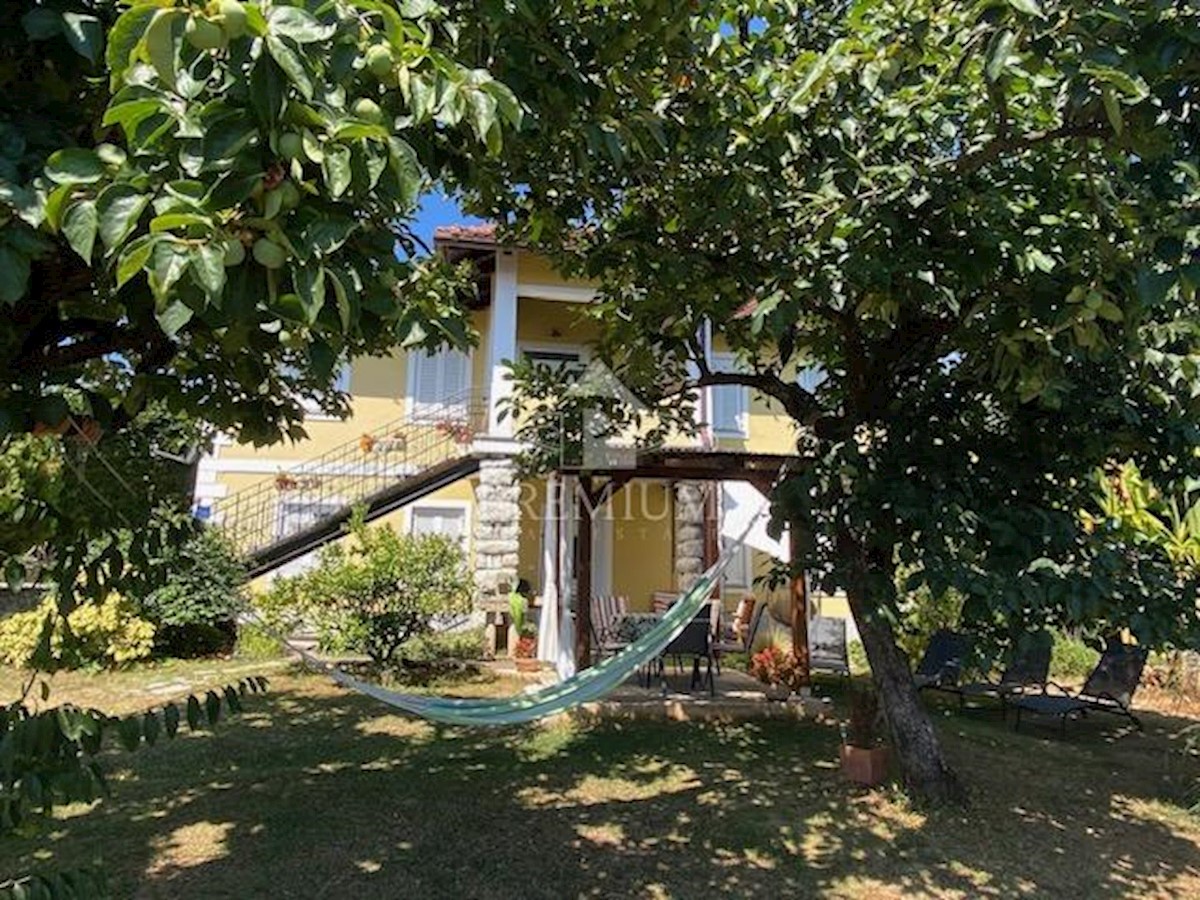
column 583, row 687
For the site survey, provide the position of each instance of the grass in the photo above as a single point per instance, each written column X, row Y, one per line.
column 316, row 792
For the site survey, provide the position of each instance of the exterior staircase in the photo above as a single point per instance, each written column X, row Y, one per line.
column 303, row 506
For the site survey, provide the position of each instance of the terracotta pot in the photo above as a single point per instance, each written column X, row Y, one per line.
column 527, row 664
column 867, row 766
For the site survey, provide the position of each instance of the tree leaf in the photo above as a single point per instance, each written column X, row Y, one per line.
column 120, row 206
column 161, row 41
column 124, row 37
column 999, row 48
column 1112, row 109
column 170, row 261
column 84, row 34
column 133, row 260
column 171, row 320
column 300, row 26
column 292, row 64
column 79, row 226
column 208, row 269
column 195, row 716
column 41, row 23
column 1029, row 7
column 1132, row 86
column 74, row 165
column 336, row 169
column 14, row 274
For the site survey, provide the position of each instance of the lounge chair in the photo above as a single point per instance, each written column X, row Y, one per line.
column 827, row 650
column 941, row 666
column 1109, row 688
column 1029, row 668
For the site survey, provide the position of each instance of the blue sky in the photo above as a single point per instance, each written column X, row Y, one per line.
column 438, row 209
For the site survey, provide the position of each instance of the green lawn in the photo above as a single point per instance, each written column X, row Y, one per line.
column 315, row 792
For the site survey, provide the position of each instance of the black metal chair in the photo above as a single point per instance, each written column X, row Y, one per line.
column 941, row 666
column 1109, row 688
column 1029, row 667
column 695, row 641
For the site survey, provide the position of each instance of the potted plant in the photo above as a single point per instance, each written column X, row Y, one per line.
column 524, row 648
column 367, row 442
column 864, row 758
column 778, row 670
column 285, row 482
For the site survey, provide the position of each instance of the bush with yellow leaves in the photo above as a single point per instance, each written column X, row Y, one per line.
column 101, row 634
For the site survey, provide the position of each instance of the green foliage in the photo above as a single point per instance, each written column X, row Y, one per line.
column 196, row 608
column 254, row 642
column 1131, row 505
column 76, row 884
column 1071, row 658
column 923, row 614
column 73, row 504
column 51, row 757
column 202, row 204
column 858, row 658
column 108, row 633
column 374, row 590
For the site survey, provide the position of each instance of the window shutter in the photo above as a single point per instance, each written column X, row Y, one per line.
column 438, row 379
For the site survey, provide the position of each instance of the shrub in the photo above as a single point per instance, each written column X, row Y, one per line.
column 922, row 613
column 1071, row 658
column 448, row 645
column 858, row 657
column 776, row 666
column 196, row 609
column 106, row 634
column 375, row 590
column 253, row 642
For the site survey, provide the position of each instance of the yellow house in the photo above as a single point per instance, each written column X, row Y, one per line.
column 426, row 449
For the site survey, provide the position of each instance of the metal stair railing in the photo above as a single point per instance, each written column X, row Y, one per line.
column 300, row 496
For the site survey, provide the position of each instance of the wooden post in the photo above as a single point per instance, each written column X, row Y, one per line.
column 712, row 547
column 799, row 595
column 583, row 578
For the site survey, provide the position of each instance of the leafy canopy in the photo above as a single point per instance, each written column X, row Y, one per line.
column 202, row 203
column 973, row 226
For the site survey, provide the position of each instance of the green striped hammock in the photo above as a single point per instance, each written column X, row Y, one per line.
column 583, row 687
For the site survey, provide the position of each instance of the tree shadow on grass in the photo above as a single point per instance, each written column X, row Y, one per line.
column 316, row 793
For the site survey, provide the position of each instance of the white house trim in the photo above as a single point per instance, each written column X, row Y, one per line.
column 463, row 506
column 524, row 347
column 410, row 378
column 564, row 292
column 501, row 341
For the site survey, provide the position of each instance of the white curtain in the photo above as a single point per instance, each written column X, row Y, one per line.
column 548, row 625
column 744, row 503
column 556, row 637
column 565, row 512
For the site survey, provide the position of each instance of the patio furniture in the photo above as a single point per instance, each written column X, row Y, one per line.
column 695, row 641
column 1028, row 668
column 1109, row 688
column 941, row 666
column 733, row 638
column 606, row 614
column 660, row 601
column 827, row 648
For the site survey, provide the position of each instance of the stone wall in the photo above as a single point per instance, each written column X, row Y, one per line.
column 689, row 533
column 497, row 532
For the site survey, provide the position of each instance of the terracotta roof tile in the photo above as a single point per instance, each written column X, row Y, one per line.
column 474, row 234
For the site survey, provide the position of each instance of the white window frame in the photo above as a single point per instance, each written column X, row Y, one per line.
column 727, row 362
column 410, row 380
column 526, row 347
column 442, row 506
column 330, row 506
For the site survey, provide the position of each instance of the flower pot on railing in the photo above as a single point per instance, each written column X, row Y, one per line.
column 285, row 482
column 367, row 442
column 459, row 432
column 393, row 443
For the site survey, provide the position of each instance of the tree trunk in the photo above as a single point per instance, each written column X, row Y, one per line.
column 926, row 774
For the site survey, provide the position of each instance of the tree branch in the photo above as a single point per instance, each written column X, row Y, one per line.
column 993, row 150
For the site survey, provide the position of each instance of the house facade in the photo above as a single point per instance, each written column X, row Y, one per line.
column 426, row 434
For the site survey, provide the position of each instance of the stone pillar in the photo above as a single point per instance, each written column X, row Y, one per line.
column 497, row 542
column 689, row 533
